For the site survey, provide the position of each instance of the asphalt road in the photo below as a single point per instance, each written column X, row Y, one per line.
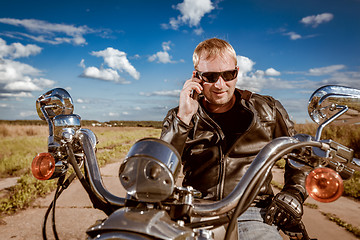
column 75, row 214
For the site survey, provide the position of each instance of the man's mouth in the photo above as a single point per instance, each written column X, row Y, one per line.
column 219, row 92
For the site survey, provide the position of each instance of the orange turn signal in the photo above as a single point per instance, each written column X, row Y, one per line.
column 43, row 166
column 324, row 185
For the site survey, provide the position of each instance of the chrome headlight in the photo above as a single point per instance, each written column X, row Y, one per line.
column 66, row 124
column 150, row 170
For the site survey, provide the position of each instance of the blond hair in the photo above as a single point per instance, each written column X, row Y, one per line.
column 211, row 48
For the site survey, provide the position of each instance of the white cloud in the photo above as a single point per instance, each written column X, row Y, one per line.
column 335, row 75
column 17, row 95
column 326, row 70
column 245, row 64
column 329, row 75
column 272, row 72
column 28, row 113
column 136, row 56
column 106, row 74
column 17, row 50
column 52, row 33
column 256, row 80
column 316, row 20
column 166, row 45
column 293, row 35
column 113, row 114
column 162, row 56
column 117, row 60
column 199, row 31
column 15, row 71
column 16, row 76
column 82, row 63
column 21, row 86
column 169, row 93
column 351, row 79
column 191, row 13
column 43, row 83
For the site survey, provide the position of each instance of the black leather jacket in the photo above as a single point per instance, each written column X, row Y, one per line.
column 214, row 172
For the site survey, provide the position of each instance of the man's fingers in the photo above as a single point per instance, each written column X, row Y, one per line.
column 269, row 217
column 191, row 86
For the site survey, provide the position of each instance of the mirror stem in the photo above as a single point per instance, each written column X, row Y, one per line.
column 324, row 124
column 51, row 126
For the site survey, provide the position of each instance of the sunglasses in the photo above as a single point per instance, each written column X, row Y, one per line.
column 212, row 77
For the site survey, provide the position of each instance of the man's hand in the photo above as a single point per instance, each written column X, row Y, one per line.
column 285, row 211
column 298, row 232
column 188, row 103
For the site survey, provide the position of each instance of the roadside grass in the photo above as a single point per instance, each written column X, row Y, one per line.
column 15, row 153
column 350, row 228
column 24, row 193
column 114, row 143
column 20, row 144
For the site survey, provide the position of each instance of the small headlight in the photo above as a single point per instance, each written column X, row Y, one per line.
column 150, row 170
column 43, row 166
column 324, row 184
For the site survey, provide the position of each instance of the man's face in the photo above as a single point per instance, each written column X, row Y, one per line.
column 220, row 93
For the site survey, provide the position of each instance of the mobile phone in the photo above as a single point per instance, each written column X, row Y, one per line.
column 197, row 75
column 193, row 93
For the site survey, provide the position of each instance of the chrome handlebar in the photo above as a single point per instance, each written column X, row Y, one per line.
column 261, row 165
column 94, row 175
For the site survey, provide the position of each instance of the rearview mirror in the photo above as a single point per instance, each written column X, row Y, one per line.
column 54, row 102
column 338, row 104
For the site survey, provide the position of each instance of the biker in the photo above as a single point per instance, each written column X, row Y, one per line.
column 219, row 129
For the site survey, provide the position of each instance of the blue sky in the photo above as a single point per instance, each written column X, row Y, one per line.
column 128, row 60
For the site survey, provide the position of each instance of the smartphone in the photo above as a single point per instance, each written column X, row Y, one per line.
column 194, row 94
column 197, row 75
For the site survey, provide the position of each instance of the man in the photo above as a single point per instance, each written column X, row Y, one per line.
column 218, row 130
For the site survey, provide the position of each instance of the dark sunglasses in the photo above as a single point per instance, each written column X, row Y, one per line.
column 212, row 77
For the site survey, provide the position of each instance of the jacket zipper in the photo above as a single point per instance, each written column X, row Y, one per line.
column 221, row 181
column 223, row 162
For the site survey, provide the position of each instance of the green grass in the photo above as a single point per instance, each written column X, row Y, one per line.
column 16, row 153
column 24, row 193
column 114, row 145
column 311, row 205
column 350, row 228
column 277, row 185
column 352, row 186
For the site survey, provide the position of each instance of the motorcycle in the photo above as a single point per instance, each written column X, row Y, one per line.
column 154, row 207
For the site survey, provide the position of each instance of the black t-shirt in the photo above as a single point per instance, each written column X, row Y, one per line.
column 233, row 122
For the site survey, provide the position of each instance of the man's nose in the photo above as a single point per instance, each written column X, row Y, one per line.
column 220, row 83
